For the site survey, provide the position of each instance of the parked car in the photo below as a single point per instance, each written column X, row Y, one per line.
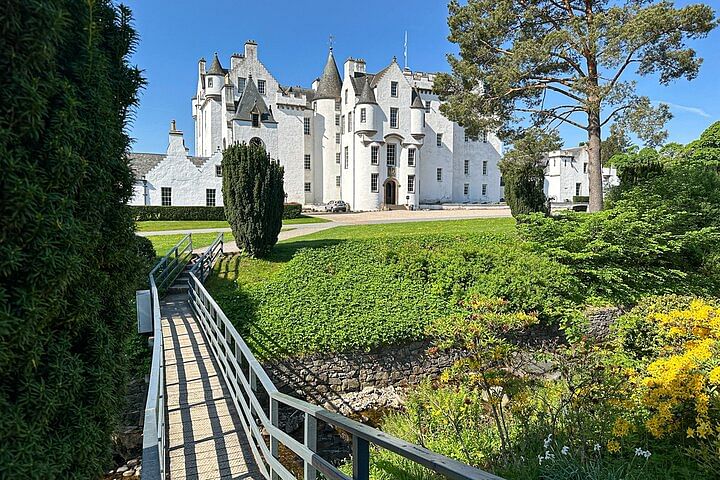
column 336, row 206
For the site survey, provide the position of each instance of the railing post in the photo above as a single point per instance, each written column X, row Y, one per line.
column 274, row 444
column 361, row 458
column 191, row 247
column 310, row 438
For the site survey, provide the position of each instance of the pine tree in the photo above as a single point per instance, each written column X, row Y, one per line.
column 253, row 195
column 67, row 251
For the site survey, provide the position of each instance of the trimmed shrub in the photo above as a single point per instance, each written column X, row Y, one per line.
column 253, row 196
column 157, row 213
column 580, row 199
column 68, row 259
column 292, row 210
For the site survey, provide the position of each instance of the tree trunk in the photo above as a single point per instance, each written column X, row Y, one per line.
column 594, row 163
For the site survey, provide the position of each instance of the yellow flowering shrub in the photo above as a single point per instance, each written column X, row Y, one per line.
column 680, row 386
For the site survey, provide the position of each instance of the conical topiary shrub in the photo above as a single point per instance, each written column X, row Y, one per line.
column 253, row 195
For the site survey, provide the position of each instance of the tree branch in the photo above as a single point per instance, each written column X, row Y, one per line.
column 562, row 118
column 614, row 112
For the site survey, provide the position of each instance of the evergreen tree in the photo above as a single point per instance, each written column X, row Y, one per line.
column 253, row 195
column 523, row 171
column 67, row 251
column 546, row 63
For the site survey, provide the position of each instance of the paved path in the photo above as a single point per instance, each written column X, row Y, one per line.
column 206, row 439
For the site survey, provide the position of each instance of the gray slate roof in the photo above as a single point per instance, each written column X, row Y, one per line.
column 416, row 100
column 251, row 101
column 216, row 68
column 382, row 72
column 330, row 83
column 366, row 94
column 142, row 163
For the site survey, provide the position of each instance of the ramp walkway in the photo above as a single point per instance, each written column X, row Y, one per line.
column 212, row 411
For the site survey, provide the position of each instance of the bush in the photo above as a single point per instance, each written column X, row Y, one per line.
column 156, row 213
column 362, row 294
column 68, row 256
column 292, row 210
column 253, row 196
column 580, row 199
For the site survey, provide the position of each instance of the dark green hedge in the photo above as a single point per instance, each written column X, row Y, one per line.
column 68, row 256
column 145, row 213
column 581, row 199
column 292, row 210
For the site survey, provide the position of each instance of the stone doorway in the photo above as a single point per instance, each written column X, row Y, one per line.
column 390, row 192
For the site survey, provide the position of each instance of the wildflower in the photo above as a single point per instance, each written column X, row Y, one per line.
column 613, row 446
column 565, row 450
column 548, row 440
column 621, row 428
column 690, row 432
column 639, row 452
column 596, row 447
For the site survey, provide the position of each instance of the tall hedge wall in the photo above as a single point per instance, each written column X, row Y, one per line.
column 67, row 251
column 143, row 213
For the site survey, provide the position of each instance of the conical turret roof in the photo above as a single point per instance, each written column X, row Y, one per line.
column 329, row 85
column 367, row 95
column 416, row 101
column 216, row 68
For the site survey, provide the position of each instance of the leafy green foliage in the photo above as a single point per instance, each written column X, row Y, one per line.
column 292, row 210
column 524, row 173
column 68, row 256
column 144, row 213
column 253, row 196
column 364, row 294
column 544, row 63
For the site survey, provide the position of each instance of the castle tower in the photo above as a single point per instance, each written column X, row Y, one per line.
column 327, row 95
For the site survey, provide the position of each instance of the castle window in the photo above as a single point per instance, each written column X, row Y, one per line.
column 485, row 167
column 210, row 197
column 306, row 126
column 342, row 123
column 346, row 96
column 255, row 120
column 438, row 174
column 261, row 87
column 467, row 138
column 484, row 189
column 411, row 184
column 502, row 181
column 466, row 189
column 337, row 105
column 337, row 138
column 337, row 181
column 337, row 120
column 218, row 170
column 210, row 82
column 307, row 162
column 585, row 167
column 391, row 154
column 337, row 158
column 374, row 151
column 438, row 141
column 347, row 157
column 484, row 136
column 363, row 115
column 308, row 187
column 241, row 84
column 411, row 157
column 427, row 106
column 393, row 89
column 166, row 196
column 466, row 167
column 578, row 186
column 350, row 122
column 374, row 182
column 393, row 118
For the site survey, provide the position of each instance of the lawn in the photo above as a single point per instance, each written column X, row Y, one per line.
column 163, row 243
column 160, row 226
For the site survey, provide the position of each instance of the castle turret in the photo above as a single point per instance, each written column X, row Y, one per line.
column 327, row 93
column 365, row 110
column 417, row 115
column 215, row 78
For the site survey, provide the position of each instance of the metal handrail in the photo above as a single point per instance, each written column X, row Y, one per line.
column 170, row 266
column 245, row 377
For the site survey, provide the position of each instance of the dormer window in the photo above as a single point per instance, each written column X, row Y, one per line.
column 255, row 119
column 393, row 89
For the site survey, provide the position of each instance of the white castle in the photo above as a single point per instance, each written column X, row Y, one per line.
column 373, row 140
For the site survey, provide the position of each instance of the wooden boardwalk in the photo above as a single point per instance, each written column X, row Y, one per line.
column 206, row 439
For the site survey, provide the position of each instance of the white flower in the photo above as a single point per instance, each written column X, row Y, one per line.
column 540, row 459
column 549, row 455
column 548, row 440
column 596, row 447
column 565, row 450
column 639, row 452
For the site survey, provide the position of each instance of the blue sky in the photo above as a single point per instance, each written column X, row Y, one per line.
column 293, row 41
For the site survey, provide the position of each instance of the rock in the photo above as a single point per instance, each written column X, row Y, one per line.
column 122, row 469
column 132, row 462
column 128, row 473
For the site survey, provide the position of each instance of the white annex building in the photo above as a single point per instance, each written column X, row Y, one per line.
column 566, row 175
column 372, row 140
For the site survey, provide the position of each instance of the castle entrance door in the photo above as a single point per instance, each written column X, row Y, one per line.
column 390, row 192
